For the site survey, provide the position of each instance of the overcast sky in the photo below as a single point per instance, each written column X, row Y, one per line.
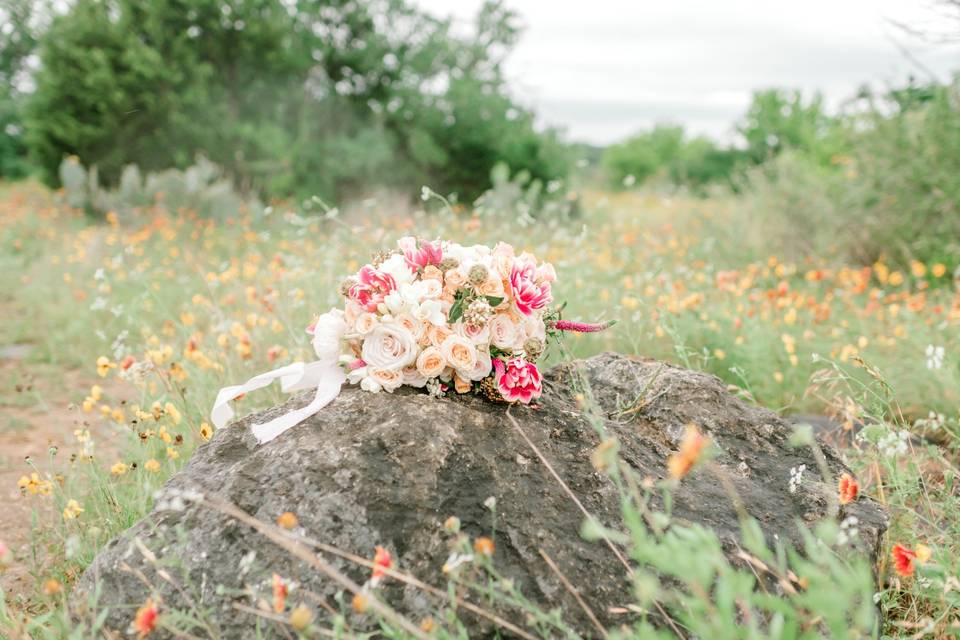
column 603, row 69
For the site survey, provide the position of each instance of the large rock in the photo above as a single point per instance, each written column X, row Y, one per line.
column 382, row 469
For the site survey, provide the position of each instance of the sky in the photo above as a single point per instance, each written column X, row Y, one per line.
column 604, row 69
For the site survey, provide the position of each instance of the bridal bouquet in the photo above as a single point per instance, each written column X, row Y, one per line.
column 430, row 314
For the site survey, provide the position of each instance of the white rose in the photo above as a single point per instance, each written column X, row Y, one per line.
column 328, row 334
column 390, row 347
column 430, row 288
column 483, row 367
column 503, row 331
column 460, row 353
column 479, row 336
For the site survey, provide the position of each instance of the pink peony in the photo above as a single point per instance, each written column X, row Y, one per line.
column 517, row 380
column 419, row 257
column 372, row 289
column 529, row 292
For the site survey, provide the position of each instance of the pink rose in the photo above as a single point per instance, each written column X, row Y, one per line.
column 428, row 253
column 529, row 292
column 372, row 289
column 517, row 380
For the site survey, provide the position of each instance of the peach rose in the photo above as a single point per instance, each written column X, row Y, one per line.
column 461, row 385
column 430, row 362
column 460, row 353
column 430, row 272
column 388, row 379
column 493, row 286
column 438, row 334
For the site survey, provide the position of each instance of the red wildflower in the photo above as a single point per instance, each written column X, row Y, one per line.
column 280, row 592
column 903, row 560
column 146, row 619
column 382, row 560
column 848, row 489
column 127, row 362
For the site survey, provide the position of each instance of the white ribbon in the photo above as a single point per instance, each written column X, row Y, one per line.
column 325, row 375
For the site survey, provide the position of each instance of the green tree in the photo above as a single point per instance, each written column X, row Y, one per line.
column 779, row 119
column 295, row 97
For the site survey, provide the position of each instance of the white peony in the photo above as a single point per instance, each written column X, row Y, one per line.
column 431, row 311
column 328, row 334
column 389, row 347
column 397, row 267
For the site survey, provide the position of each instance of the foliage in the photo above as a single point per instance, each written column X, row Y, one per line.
column 666, row 152
column 298, row 98
column 20, row 22
column 197, row 303
column 200, row 189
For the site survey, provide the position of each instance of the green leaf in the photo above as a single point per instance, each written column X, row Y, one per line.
column 494, row 301
column 456, row 311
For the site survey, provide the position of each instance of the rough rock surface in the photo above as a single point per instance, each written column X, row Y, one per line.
column 382, row 469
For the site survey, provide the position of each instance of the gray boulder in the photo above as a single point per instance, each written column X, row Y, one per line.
column 389, row 469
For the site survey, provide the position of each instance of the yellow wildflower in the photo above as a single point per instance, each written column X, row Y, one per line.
column 119, row 469
column 72, row 510
column 151, row 465
column 104, row 365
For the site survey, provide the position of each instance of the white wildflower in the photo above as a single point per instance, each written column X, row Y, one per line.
column 796, row 477
column 935, row 357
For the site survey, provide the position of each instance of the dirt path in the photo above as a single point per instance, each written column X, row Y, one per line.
column 37, row 412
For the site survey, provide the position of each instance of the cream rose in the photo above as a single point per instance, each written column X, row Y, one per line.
column 483, row 367
column 431, row 289
column 366, row 322
column 460, row 353
column 503, row 331
column 413, row 378
column 411, row 324
column 454, row 278
column 390, row 347
column 431, row 362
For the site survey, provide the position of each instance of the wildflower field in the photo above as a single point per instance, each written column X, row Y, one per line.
column 136, row 320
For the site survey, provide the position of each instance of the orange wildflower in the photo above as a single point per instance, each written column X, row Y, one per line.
column 691, row 447
column 483, row 546
column 903, row 560
column 145, row 620
column 848, row 489
column 287, row 520
column 280, row 592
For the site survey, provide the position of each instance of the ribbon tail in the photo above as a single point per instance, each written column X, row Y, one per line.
column 328, row 388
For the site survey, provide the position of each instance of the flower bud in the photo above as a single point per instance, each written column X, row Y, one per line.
column 477, row 275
